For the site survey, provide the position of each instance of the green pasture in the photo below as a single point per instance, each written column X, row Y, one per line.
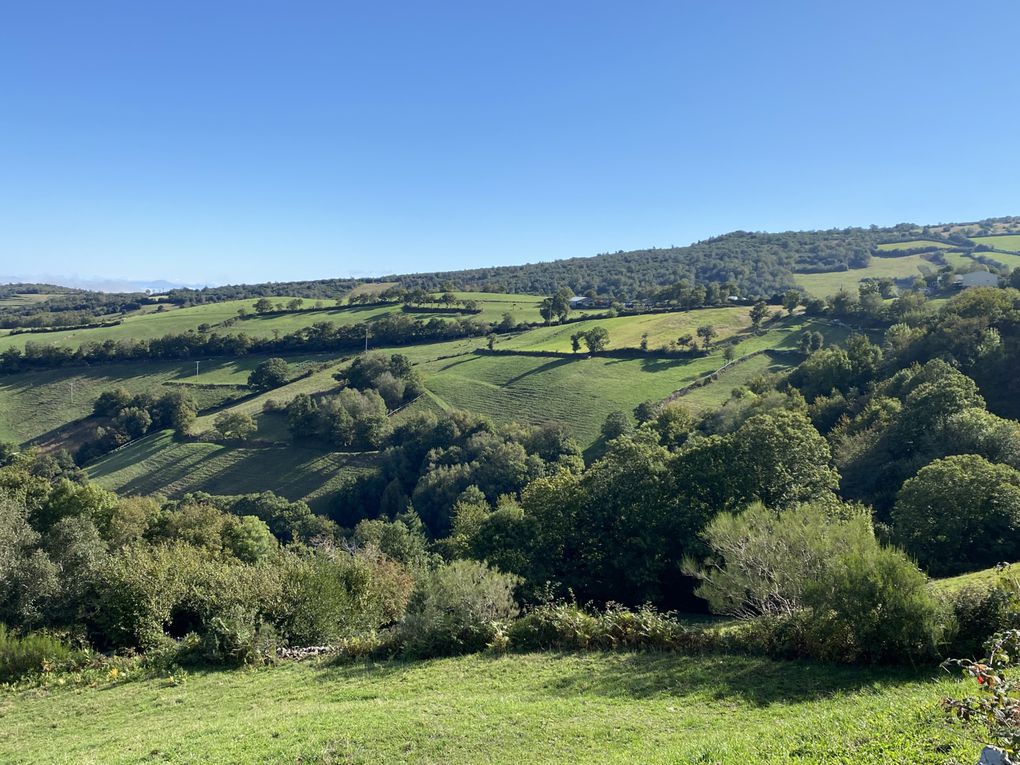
column 653, row 708
column 626, row 331
column 915, row 244
column 158, row 464
column 829, row 283
column 1009, row 242
column 152, row 324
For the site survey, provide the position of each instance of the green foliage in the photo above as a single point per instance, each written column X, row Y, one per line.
column 458, row 607
column 34, row 652
column 271, row 373
column 762, row 562
column 959, row 514
column 235, row 425
column 616, row 424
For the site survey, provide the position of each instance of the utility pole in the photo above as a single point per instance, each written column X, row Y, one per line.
column 196, row 371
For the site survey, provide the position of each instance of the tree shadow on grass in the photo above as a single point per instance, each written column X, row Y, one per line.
column 755, row 680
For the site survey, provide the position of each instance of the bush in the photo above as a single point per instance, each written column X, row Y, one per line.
column 456, row 608
column 22, row 655
column 567, row 626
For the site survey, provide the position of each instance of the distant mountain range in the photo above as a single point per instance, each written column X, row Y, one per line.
column 98, row 284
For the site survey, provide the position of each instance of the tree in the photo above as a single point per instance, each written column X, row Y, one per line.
column 707, row 332
column 235, row 425
column 263, row 305
column 791, row 299
column 616, row 425
column 490, row 341
column 758, row 313
column 545, row 310
column 959, row 514
column 684, row 341
column 575, row 341
column 596, row 338
column 271, row 373
column 644, row 341
column 110, row 402
column 294, row 304
column 560, row 303
column 646, row 411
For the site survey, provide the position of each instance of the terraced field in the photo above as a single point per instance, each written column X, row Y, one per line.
column 901, row 267
column 158, row 464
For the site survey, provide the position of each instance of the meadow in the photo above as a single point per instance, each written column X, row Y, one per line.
column 627, row 331
column 533, row 708
column 158, row 464
column 1009, row 260
column 1009, row 242
column 915, row 244
column 150, row 324
column 900, row 267
column 33, row 404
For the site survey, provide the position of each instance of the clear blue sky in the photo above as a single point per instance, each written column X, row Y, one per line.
column 222, row 141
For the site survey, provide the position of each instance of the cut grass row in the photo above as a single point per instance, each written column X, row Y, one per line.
column 158, row 464
column 534, row 708
column 35, row 403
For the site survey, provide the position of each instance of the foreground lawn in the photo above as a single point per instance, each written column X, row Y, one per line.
column 541, row 708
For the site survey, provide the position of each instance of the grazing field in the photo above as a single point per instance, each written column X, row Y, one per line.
column 1010, row 242
column 24, row 299
column 35, row 403
column 626, row 331
column 152, row 324
column 158, row 464
column 915, row 244
column 715, row 394
column 534, row 708
column 1009, row 260
column 902, row 267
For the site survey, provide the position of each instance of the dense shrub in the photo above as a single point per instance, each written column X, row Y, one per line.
column 567, row 626
column 456, row 608
column 33, row 652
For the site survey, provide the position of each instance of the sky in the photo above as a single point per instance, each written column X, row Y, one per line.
column 226, row 142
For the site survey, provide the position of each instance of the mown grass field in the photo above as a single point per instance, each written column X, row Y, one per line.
column 535, row 708
column 626, row 331
column 1010, row 242
column 35, row 403
column 915, row 244
column 152, row 324
column 901, row 267
column 158, row 464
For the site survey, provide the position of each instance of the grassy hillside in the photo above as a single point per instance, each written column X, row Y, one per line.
column 901, row 267
column 626, row 331
column 1010, row 242
column 35, row 403
column 151, row 324
column 541, row 708
column 984, row 579
column 915, row 244
column 158, row 464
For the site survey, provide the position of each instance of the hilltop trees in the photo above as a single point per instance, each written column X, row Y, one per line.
column 596, row 338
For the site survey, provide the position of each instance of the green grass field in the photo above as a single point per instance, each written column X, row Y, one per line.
column 25, row 299
column 35, row 403
column 984, row 579
column 902, row 267
column 716, row 393
column 626, row 331
column 1009, row 242
column 1009, row 260
column 151, row 324
column 158, row 464
column 535, row 708
column 915, row 244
